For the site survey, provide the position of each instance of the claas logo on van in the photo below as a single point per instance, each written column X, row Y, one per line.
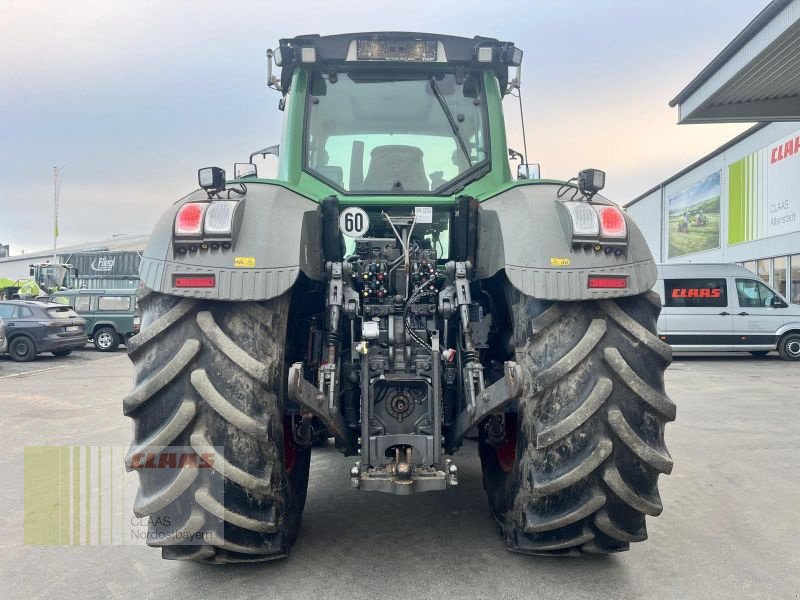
column 696, row 293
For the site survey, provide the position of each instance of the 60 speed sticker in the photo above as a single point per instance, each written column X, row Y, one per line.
column 354, row 222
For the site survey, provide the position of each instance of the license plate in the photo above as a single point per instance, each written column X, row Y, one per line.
column 72, row 328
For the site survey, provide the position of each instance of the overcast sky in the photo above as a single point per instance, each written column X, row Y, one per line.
column 134, row 96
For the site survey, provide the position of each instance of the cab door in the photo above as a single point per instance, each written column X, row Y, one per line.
column 760, row 312
column 697, row 313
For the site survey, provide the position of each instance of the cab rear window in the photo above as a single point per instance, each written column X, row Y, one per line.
column 695, row 292
column 61, row 312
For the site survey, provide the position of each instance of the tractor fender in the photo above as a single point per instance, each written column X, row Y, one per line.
column 276, row 236
column 526, row 232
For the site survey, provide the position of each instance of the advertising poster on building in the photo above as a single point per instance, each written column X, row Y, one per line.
column 694, row 217
column 764, row 199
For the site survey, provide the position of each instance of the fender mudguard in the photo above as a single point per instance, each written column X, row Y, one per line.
column 277, row 238
column 523, row 230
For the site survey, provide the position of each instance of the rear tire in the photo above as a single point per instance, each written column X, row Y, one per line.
column 579, row 470
column 213, row 374
column 106, row 339
column 789, row 346
column 22, row 349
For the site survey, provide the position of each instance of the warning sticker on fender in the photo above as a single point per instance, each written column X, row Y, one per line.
column 559, row 262
column 244, row 261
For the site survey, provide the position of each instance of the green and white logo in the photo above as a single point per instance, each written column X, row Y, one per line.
column 764, row 192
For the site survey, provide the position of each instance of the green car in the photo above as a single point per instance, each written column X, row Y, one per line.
column 111, row 315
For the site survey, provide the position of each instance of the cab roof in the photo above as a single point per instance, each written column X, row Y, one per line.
column 340, row 49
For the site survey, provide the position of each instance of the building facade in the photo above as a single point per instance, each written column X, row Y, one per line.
column 741, row 204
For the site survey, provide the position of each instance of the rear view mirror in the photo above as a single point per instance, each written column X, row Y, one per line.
column 241, row 170
column 528, row 171
column 274, row 150
column 778, row 303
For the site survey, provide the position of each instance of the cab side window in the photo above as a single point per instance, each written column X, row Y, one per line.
column 23, row 312
column 753, row 294
column 6, row 310
column 705, row 292
column 114, row 303
column 82, row 303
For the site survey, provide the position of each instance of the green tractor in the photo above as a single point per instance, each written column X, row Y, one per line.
column 396, row 286
column 53, row 277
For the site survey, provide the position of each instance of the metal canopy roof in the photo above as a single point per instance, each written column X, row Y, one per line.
column 755, row 78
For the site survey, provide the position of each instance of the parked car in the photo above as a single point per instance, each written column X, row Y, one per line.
column 723, row 308
column 3, row 341
column 34, row 327
column 111, row 315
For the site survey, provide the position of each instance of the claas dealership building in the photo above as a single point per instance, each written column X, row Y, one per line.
column 741, row 203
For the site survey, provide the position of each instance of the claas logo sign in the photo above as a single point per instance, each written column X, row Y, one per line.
column 683, row 292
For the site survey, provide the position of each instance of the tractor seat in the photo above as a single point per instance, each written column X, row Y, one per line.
column 394, row 168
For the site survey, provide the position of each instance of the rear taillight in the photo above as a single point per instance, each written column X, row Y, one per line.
column 597, row 221
column 612, row 221
column 585, row 221
column 189, row 220
column 194, row 281
column 608, row 282
column 219, row 217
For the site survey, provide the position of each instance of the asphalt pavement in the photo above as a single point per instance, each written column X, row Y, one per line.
column 729, row 528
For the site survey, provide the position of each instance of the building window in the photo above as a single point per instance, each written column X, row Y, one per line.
column 794, row 286
column 779, row 274
column 750, row 265
column 762, row 269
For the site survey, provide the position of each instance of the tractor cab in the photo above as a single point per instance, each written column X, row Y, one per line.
column 400, row 114
column 52, row 277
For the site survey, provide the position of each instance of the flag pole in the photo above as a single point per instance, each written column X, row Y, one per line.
column 56, row 192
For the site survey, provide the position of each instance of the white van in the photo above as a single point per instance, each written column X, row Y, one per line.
column 724, row 308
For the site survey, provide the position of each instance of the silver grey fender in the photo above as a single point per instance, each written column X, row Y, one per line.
column 524, row 231
column 277, row 238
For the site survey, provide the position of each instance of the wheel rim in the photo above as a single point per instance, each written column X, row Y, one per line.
column 104, row 340
column 21, row 348
column 793, row 347
column 507, row 452
column 289, row 449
